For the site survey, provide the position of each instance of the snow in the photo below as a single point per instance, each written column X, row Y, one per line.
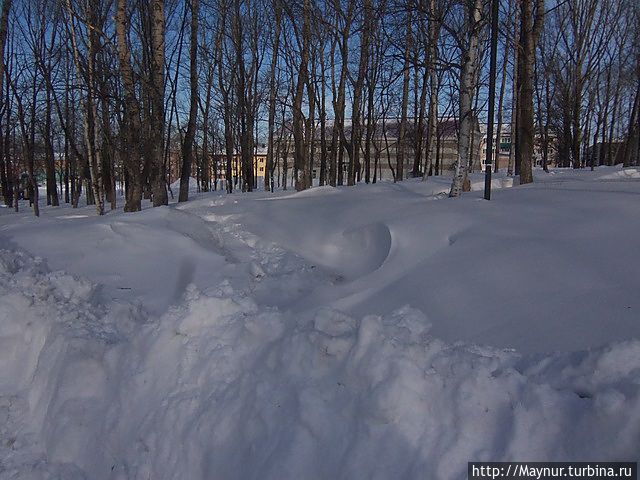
column 377, row 331
column 548, row 258
column 622, row 173
column 193, row 186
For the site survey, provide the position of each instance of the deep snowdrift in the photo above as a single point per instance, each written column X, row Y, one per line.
column 541, row 268
column 255, row 362
column 218, row 388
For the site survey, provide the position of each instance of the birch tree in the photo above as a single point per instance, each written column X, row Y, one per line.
column 470, row 53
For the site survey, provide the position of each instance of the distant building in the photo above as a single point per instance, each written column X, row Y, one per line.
column 385, row 146
column 506, row 143
column 217, row 164
column 220, row 161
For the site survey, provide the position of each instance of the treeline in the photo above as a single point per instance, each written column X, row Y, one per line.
column 100, row 96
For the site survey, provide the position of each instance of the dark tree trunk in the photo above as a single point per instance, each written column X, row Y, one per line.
column 189, row 136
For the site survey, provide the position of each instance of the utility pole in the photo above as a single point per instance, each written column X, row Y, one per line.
column 492, row 98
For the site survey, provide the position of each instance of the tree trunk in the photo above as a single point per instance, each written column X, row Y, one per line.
column 338, row 141
column 529, row 33
column 323, row 120
column 4, row 22
column 158, row 177
column 50, row 167
column 356, row 115
column 7, row 191
column 133, row 129
column 402, row 130
column 511, row 168
column 268, row 174
column 467, row 87
column 434, row 87
column 90, row 128
column 189, row 136
column 300, row 152
column 503, row 83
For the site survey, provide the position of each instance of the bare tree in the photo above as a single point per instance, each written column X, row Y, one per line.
column 402, row 130
column 156, row 95
column 470, row 53
column 300, row 154
column 189, row 137
column 530, row 28
column 358, row 89
column 277, row 29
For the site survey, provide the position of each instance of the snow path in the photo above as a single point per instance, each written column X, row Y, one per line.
column 252, row 343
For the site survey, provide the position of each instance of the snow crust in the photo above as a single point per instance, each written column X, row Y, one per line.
column 372, row 340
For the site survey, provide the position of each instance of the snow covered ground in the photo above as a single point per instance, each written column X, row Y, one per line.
column 378, row 331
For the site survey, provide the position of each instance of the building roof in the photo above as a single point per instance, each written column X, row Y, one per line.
column 505, row 128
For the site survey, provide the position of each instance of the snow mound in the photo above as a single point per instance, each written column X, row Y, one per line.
column 357, row 251
column 193, row 186
column 219, row 387
column 543, row 268
column 149, row 257
column 310, row 192
column 624, row 173
column 499, row 180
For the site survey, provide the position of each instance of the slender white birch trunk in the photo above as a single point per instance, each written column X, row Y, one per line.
column 467, row 87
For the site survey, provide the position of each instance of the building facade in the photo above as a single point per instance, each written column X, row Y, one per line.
column 385, row 146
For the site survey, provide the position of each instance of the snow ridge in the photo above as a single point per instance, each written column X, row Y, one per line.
column 223, row 387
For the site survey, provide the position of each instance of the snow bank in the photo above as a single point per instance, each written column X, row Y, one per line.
column 545, row 267
column 268, row 335
column 220, row 387
column 147, row 258
column 623, row 173
column 193, row 186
